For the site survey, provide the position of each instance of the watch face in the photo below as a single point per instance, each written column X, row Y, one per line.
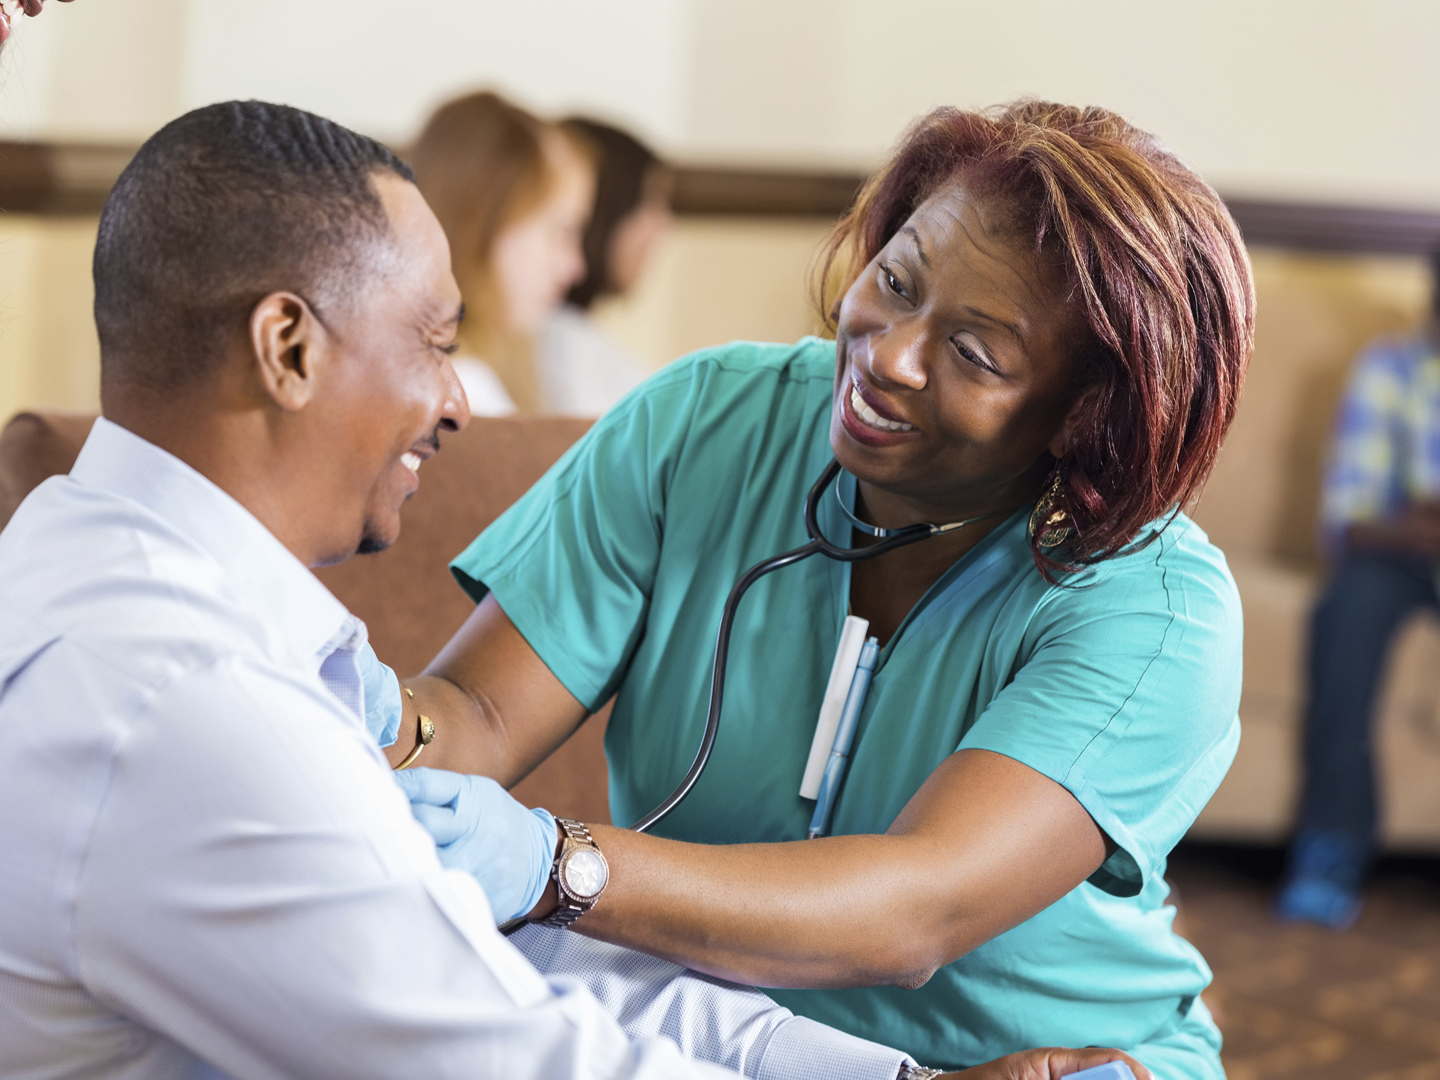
column 585, row 872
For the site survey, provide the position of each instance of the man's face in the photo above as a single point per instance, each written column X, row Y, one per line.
column 390, row 387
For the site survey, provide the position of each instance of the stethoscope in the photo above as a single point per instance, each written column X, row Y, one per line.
column 888, row 541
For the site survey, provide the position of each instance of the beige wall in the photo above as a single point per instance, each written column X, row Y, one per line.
column 49, row 355
column 1296, row 98
column 1320, row 98
column 719, row 280
column 1315, row 314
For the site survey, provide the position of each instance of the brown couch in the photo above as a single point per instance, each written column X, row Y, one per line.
column 1260, row 507
column 406, row 594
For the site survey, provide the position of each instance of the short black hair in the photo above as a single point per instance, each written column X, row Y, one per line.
column 220, row 208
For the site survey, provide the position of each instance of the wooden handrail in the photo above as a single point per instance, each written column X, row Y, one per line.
column 74, row 178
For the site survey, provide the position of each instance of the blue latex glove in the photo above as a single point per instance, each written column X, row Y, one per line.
column 382, row 697
column 477, row 826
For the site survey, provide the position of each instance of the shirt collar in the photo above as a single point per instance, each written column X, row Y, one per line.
column 262, row 573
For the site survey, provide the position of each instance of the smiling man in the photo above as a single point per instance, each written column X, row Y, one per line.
column 180, row 893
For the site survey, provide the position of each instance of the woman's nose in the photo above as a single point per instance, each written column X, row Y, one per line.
column 897, row 357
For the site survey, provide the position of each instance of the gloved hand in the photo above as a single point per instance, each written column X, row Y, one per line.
column 382, row 697
column 480, row 829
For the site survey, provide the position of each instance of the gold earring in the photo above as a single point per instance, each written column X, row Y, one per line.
column 1048, row 525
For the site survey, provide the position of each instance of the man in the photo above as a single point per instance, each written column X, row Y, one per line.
column 207, row 865
column 205, row 856
column 1381, row 522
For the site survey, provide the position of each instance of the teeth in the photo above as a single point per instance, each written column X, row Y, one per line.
column 411, row 461
column 871, row 417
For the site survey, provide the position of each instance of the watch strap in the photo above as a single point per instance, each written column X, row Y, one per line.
column 569, row 908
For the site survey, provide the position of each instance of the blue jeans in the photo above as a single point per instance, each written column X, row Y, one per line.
column 1367, row 599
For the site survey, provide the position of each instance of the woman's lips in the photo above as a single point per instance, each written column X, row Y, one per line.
column 867, row 426
column 873, row 416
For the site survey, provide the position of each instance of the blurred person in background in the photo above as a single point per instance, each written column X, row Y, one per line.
column 582, row 372
column 1380, row 518
column 513, row 194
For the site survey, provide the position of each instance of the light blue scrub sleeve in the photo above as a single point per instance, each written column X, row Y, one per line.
column 1129, row 698
column 591, row 530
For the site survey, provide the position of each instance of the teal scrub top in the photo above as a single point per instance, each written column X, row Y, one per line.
column 1122, row 686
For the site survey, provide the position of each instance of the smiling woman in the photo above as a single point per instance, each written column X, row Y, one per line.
column 1042, row 321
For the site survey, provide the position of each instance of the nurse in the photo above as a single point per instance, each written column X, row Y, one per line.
column 1042, row 319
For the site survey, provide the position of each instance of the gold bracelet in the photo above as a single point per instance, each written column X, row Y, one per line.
column 424, row 736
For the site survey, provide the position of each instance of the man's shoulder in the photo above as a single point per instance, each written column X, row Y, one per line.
column 103, row 577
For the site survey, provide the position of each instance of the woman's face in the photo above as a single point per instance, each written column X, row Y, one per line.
column 955, row 365
column 537, row 258
column 639, row 232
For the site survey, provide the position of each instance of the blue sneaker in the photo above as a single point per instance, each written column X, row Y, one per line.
column 1323, row 882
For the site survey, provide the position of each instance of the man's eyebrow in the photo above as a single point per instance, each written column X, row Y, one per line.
column 459, row 316
column 913, row 233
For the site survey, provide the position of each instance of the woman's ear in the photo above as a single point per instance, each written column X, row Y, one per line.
column 289, row 345
column 1061, row 443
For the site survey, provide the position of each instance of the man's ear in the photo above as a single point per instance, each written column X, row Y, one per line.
column 289, row 345
column 1060, row 444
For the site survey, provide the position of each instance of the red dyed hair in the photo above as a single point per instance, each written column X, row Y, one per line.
column 1151, row 257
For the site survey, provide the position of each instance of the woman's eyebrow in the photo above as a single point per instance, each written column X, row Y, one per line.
column 913, row 233
column 1014, row 329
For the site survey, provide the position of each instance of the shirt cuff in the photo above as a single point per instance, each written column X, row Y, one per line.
column 801, row 1049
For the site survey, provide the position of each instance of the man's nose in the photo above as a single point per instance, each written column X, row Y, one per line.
column 455, row 413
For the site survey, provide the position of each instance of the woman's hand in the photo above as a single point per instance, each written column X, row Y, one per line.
column 478, row 828
column 1050, row 1063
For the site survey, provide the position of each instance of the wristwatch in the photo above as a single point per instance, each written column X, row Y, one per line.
column 918, row 1072
column 580, row 871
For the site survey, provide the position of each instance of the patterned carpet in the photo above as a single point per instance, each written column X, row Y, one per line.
column 1301, row 1002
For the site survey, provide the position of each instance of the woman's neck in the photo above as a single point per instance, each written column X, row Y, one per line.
column 885, row 589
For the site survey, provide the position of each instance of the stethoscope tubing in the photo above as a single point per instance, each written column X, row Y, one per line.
column 818, row 545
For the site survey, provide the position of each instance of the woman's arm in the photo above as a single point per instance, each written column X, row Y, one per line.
column 985, row 844
column 498, row 710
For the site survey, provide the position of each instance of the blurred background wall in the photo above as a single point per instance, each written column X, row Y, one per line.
column 1305, row 100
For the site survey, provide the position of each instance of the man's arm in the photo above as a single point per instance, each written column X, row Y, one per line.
column 742, row 1029
column 1358, row 510
column 256, row 890
column 1414, row 532
column 736, row 1026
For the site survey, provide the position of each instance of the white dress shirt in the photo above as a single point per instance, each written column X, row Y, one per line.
column 204, row 862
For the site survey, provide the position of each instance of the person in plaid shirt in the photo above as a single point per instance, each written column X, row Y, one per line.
column 1380, row 522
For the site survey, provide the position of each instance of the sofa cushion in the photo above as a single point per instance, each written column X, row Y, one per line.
column 406, row 594
column 34, row 447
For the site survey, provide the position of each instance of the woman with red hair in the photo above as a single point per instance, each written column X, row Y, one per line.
column 1042, row 321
